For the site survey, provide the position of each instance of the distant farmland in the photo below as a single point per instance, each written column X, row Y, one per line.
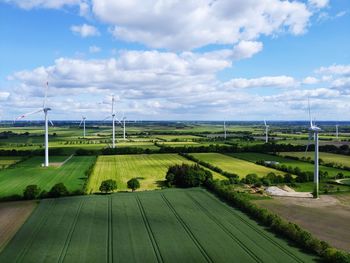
column 149, row 168
column 157, row 226
column 234, row 165
column 72, row 174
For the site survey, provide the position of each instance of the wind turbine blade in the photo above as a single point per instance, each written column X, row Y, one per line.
column 80, row 123
column 308, row 103
column 308, row 143
column 51, row 122
column 106, row 118
column 28, row 114
column 45, row 97
column 265, row 122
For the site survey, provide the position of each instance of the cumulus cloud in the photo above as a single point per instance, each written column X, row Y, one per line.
column 319, row 3
column 310, row 80
column 246, row 49
column 267, row 81
column 55, row 4
column 94, row 49
column 85, row 30
column 335, row 70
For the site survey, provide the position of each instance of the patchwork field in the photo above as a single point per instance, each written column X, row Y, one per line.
column 234, row 165
column 150, row 169
column 5, row 161
column 160, row 226
column 304, row 166
column 72, row 174
column 12, row 217
column 326, row 157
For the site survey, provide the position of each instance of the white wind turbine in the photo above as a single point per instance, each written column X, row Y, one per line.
column 113, row 115
column 266, row 132
column 225, row 135
column 83, row 118
column 337, row 131
column 313, row 133
column 45, row 110
column 124, row 119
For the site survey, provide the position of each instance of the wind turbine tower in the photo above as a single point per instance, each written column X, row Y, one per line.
column 266, row 132
column 337, row 131
column 83, row 118
column 124, row 119
column 225, row 130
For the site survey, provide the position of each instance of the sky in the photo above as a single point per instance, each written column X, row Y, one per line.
column 176, row 60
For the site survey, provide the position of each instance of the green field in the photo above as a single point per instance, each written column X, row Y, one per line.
column 150, row 169
column 234, row 165
column 304, row 166
column 5, row 161
column 326, row 157
column 72, row 174
column 157, row 226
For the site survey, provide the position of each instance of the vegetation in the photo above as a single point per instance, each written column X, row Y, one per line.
column 133, row 184
column 58, row 190
column 31, row 192
column 185, row 175
column 110, row 224
column 108, row 186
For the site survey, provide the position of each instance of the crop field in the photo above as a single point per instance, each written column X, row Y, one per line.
column 5, row 161
column 234, row 165
column 150, row 169
column 326, row 157
column 178, row 137
column 72, row 174
column 160, row 226
column 304, row 166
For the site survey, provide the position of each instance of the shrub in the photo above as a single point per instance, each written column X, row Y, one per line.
column 133, row 184
column 108, row 186
column 31, row 192
column 58, row 190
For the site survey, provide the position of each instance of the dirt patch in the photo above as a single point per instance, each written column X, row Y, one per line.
column 328, row 218
column 12, row 217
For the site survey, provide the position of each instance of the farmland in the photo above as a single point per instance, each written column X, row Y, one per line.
column 234, row 165
column 157, row 226
column 149, row 169
column 5, row 161
column 304, row 166
column 14, row 180
column 343, row 160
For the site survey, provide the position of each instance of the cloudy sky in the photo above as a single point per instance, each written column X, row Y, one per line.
column 175, row 59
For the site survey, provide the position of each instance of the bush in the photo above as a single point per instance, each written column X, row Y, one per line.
column 187, row 176
column 133, row 184
column 31, row 192
column 58, row 190
column 108, row 186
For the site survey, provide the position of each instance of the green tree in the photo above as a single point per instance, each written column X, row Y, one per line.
column 133, row 184
column 31, row 192
column 108, row 186
column 58, row 190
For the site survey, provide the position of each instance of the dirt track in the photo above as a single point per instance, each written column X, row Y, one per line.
column 12, row 217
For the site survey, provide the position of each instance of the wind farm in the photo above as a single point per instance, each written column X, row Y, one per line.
column 174, row 131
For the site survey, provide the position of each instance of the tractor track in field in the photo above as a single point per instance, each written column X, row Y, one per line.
column 35, row 232
column 70, row 233
column 227, row 231
column 260, row 232
column 150, row 232
column 188, row 230
column 110, row 231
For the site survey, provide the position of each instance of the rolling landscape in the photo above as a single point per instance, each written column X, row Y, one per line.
column 174, row 131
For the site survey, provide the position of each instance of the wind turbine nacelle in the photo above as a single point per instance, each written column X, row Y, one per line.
column 315, row 129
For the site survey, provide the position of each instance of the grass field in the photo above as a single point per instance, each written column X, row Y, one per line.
column 150, row 169
column 5, row 161
column 160, row 226
column 326, row 157
column 304, row 166
column 177, row 137
column 234, row 165
column 14, row 180
column 12, row 217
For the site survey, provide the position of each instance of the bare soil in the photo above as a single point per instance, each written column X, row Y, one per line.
column 12, row 217
column 327, row 218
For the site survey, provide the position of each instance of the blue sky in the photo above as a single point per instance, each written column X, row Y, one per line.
column 199, row 60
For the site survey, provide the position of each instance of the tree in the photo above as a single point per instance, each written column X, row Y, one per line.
column 58, row 190
column 133, row 184
column 108, row 186
column 31, row 192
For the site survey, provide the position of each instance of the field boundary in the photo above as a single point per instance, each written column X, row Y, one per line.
column 188, row 230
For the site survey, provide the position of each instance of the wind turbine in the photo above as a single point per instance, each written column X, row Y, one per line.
column 124, row 118
column 45, row 110
column 266, row 132
column 83, row 118
column 313, row 132
column 113, row 122
column 337, row 131
column 225, row 130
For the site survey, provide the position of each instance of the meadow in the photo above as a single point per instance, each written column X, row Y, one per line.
column 304, row 166
column 6, row 161
column 14, row 180
column 150, row 169
column 234, row 165
column 154, row 226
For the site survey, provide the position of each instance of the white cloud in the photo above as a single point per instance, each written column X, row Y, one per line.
column 267, row 81
column 310, row 80
column 55, row 4
column 185, row 25
column 246, row 49
column 94, row 49
column 85, row 30
column 319, row 3
column 4, row 95
column 335, row 69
